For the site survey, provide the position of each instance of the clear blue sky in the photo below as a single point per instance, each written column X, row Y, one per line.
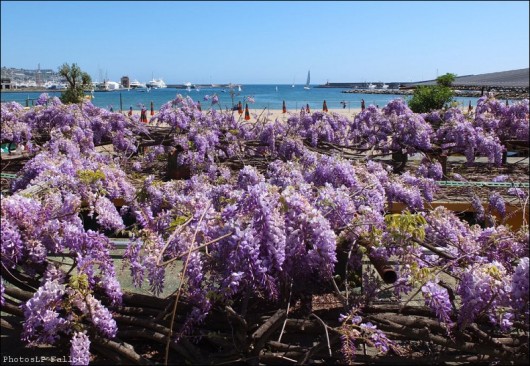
column 267, row 42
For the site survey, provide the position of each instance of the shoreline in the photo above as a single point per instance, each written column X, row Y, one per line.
column 511, row 95
column 269, row 114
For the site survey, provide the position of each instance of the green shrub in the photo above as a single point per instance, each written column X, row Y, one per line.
column 428, row 98
column 78, row 82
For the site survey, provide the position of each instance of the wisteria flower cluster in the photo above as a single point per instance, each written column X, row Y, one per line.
column 507, row 122
column 12, row 127
column 394, row 128
column 354, row 331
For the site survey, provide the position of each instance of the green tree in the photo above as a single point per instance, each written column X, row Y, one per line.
column 78, row 82
column 428, row 98
column 446, row 80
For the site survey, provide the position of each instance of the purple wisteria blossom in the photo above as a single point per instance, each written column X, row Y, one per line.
column 43, row 99
column 2, row 291
column 80, row 349
column 520, row 287
column 437, row 298
column 497, row 203
column 215, row 99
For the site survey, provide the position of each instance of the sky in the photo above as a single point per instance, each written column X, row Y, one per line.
column 267, row 42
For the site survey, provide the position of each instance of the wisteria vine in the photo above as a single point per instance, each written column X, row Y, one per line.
column 256, row 232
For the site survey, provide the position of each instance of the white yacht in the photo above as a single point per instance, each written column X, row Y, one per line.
column 156, row 84
column 55, row 85
column 384, row 86
column 108, row 86
column 136, row 84
column 371, row 86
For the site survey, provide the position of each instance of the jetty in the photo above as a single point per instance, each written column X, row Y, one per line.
column 360, row 85
column 512, row 84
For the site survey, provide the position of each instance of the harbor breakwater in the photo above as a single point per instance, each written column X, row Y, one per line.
column 504, row 94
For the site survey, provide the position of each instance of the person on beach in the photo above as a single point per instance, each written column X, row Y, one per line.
column 362, row 104
column 130, row 112
column 469, row 107
column 111, row 109
column 143, row 115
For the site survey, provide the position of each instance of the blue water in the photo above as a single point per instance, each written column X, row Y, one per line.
column 265, row 96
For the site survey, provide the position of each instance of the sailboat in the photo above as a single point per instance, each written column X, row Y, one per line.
column 308, row 80
column 292, row 86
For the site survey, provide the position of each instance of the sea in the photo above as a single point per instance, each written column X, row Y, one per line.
column 258, row 97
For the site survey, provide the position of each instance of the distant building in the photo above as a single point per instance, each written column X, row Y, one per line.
column 125, row 82
column 25, row 77
column 6, row 84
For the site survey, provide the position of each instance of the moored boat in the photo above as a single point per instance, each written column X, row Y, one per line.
column 156, row 84
column 306, row 87
column 136, row 84
column 107, row 86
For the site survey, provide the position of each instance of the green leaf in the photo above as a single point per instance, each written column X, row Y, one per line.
column 179, row 220
column 79, row 282
column 89, row 176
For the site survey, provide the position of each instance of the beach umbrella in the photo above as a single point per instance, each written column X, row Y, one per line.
column 152, row 109
column 362, row 104
column 247, row 114
column 307, row 108
column 130, row 111
column 239, row 108
column 325, row 107
column 143, row 115
column 199, row 105
column 283, row 108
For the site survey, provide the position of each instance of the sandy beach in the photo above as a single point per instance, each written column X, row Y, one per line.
column 272, row 114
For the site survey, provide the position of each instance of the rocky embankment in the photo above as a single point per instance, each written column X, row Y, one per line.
column 379, row 91
column 501, row 94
